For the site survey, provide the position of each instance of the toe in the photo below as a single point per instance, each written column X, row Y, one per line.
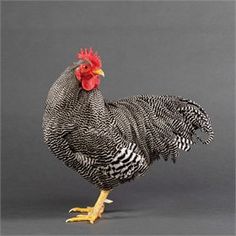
column 78, row 209
column 90, row 219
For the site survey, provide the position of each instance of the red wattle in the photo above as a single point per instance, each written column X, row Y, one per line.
column 89, row 84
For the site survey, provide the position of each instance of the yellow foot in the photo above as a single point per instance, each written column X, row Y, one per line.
column 91, row 216
column 93, row 213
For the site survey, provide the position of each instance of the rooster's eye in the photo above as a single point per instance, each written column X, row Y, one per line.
column 85, row 67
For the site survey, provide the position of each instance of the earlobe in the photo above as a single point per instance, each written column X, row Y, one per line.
column 77, row 73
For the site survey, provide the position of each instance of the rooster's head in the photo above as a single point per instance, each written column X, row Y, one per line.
column 89, row 70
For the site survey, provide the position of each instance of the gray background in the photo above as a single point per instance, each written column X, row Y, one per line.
column 179, row 48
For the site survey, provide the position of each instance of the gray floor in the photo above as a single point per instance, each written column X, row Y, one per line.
column 184, row 213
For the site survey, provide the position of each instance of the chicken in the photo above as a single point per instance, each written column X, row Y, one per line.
column 110, row 143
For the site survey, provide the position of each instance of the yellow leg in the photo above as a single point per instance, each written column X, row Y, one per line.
column 93, row 212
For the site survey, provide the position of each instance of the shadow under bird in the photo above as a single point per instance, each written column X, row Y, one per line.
column 112, row 142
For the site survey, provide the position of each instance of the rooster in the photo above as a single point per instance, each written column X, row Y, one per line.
column 112, row 142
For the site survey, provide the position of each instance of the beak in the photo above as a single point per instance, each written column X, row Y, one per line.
column 99, row 72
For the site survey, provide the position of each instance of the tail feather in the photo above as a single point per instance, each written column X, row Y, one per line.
column 183, row 119
column 183, row 143
column 196, row 115
column 163, row 125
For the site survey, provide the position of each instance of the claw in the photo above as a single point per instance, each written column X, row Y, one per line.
column 108, row 201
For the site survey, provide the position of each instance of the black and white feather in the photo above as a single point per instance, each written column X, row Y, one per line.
column 109, row 143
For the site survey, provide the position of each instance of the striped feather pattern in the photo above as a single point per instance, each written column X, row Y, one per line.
column 110, row 143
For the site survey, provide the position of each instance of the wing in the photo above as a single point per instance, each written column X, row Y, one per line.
column 125, row 165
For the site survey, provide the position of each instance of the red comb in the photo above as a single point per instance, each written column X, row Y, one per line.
column 90, row 55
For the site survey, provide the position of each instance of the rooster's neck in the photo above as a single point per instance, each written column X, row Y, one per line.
column 92, row 103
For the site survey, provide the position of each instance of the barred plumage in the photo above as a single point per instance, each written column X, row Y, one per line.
column 109, row 143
